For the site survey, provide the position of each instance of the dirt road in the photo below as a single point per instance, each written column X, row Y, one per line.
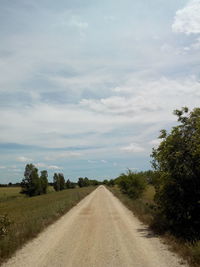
column 98, row 232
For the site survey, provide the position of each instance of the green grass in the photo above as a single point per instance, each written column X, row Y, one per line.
column 9, row 193
column 29, row 216
column 144, row 209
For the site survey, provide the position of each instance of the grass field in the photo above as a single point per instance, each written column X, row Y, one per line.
column 142, row 208
column 11, row 193
column 30, row 215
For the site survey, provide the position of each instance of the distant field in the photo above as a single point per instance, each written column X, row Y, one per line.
column 30, row 215
column 10, row 193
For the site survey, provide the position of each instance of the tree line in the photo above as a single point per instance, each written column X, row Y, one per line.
column 34, row 184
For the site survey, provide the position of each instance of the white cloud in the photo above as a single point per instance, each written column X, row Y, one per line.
column 133, row 147
column 40, row 165
column 63, row 155
column 120, row 105
column 24, row 159
column 140, row 102
column 50, row 167
column 155, row 142
column 104, row 161
column 187, row 19
column 146, row 100
column 54, row 167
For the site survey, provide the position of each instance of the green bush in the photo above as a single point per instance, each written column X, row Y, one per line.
column 132, row 184
column 177, row 162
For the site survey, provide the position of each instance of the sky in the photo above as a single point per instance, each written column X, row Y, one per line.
column 86, row 86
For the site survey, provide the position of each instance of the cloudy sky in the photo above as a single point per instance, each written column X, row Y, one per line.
column 86, row 86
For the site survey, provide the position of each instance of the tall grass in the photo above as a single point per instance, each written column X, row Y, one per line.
column 30, row 215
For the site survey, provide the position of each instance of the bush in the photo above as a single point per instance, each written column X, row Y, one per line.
column 177, row 162
column 132, row 184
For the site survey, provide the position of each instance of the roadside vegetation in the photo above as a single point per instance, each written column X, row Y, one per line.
column 168, row 198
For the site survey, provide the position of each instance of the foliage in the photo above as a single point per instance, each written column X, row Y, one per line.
column 70, row 184
column 44, row 181
column 132, row 184
column 94, row 182
column 83, row 182
column 111, row 182
column 177, row 163
column 58, row 181
column 32, row 184
column 62, row 181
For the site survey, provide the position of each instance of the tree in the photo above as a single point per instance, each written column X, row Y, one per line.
column 105, row 182
column 86, row 181
column 80, row 182
column 111, row 182
column 94, row 182
column 62, row 181
column 44, row 181
column 177, row 163
column 56, row 182
column 31, row 183
column 69, row 184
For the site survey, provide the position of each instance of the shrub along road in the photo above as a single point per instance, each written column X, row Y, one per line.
column 99, row 231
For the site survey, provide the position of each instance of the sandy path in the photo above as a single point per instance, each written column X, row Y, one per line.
column 98, row 232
